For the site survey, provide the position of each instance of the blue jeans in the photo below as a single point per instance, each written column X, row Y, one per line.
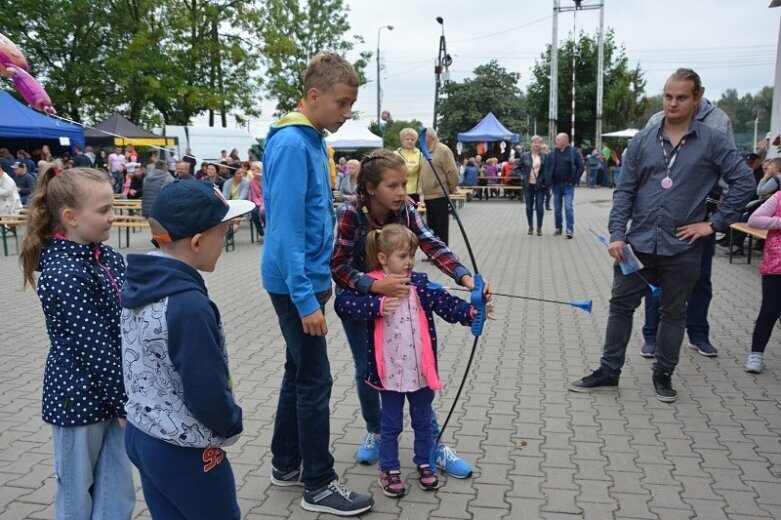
column 302, row 425
column 564, row 193
column 368, row 397
column 697, row 325
column 393, row 424
column 676, row 276
column 593, row 174
column 183, row 483
column 534, row 200
column 355, row 330
column 94, row 478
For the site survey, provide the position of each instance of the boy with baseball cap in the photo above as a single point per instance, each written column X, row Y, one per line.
column 181, row 409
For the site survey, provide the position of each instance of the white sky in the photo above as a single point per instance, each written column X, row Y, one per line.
column 730, row 43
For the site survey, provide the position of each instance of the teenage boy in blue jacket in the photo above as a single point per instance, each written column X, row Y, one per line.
column 296, row 274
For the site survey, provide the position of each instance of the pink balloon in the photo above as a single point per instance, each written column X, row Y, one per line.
column 31, row 90
column 10, row 55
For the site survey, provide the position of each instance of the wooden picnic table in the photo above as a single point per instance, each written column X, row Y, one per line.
column 752, row 234
column 9, row 227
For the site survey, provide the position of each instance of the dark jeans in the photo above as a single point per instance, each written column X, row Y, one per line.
column 393, row 424
column 548, row 194
column 534, row 200
column 368, row 397
column 258, row 218
column 675, row 275
column 697, row 325
column 302, row 425
column 437, row 218
column 769, row 312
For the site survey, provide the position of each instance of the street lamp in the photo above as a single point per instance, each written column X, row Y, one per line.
column 443, row 63
column 390, row 28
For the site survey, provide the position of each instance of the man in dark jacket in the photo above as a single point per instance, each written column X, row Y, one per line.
column 81, row 160
column 564, row 166
column 154, row 181
column 24, row 181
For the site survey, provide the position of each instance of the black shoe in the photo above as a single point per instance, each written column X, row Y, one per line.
column 597, row 380
column 336, row 499
column 539, row 232
column 531, row 231
column 570, row 234
column 664, row 388
column 547, row 208
column 286, row 478
column 557, row 233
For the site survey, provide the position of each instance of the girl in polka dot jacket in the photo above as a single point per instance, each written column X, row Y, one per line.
column 83, row 391
column 402, row 346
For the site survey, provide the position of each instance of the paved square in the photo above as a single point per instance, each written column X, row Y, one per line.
column 539, row 451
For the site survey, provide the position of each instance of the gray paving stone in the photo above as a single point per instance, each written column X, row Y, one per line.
column 607, row 455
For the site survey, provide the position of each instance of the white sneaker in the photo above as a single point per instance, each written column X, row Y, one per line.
column 754, row 363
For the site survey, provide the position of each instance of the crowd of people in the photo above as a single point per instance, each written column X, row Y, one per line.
column 160, row 397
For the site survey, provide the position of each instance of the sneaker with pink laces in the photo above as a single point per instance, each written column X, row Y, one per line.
column 428, row 478
column 391, row 484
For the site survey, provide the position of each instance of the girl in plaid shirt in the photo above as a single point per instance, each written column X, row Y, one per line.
column 382, row 199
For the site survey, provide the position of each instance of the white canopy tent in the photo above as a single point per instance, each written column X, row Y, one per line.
column 629, row 132
column 353, row 135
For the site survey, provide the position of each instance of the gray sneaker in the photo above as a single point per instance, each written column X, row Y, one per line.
column 336, row 499
column 754, row 363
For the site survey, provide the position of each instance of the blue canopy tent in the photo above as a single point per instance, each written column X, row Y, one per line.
column 20, row 125
column 489, row 129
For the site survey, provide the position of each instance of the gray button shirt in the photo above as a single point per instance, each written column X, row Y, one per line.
column 656, row 213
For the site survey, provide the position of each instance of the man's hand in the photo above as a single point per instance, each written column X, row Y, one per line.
column 469, row 282
column 394, row 285
column 314, row 324
column 693, row 232
column 390, row 305
column 616, row 250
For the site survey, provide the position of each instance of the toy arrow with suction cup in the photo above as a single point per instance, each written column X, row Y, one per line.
column 585, row 305
column 628, row 268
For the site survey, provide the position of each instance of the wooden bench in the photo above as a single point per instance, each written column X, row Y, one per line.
column 752, row 234
column 128, row 223
column 9, row 227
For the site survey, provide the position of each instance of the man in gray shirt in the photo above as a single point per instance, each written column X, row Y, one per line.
column 669, row 171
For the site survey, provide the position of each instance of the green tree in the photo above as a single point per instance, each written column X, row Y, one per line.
column 392, row 129
column 292, row 32
column 66, row 50
column 492, row 89
column 623, row 100
column 743, row 110
column 155, row 61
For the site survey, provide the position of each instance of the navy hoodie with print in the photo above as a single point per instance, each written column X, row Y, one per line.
column 79, row 292
column 174, row 357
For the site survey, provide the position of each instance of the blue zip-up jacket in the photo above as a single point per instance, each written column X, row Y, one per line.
column 574, row 166
column 174, row 357
column 79, row 293
column 299, row 213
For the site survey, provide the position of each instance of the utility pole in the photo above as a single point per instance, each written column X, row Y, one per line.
column 553, row 99
column 379, row 90
column 600, row 75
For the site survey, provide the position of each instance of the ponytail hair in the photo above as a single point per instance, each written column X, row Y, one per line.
column 56, row 189
column 392, row 237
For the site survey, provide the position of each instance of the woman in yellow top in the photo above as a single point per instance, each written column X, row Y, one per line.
column 413, row 157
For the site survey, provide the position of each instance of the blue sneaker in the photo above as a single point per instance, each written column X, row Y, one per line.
column 704, row 347
column 649, row 348
column 446, row 459
column 369, row 450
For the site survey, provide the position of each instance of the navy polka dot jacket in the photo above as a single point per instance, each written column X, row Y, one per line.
column 79, row 292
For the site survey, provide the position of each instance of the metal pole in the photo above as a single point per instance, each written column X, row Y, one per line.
column 600, row 74
column 379, row 30
column 438, row 72
column 553, row 102
column 756, row 124
column 574, row 62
